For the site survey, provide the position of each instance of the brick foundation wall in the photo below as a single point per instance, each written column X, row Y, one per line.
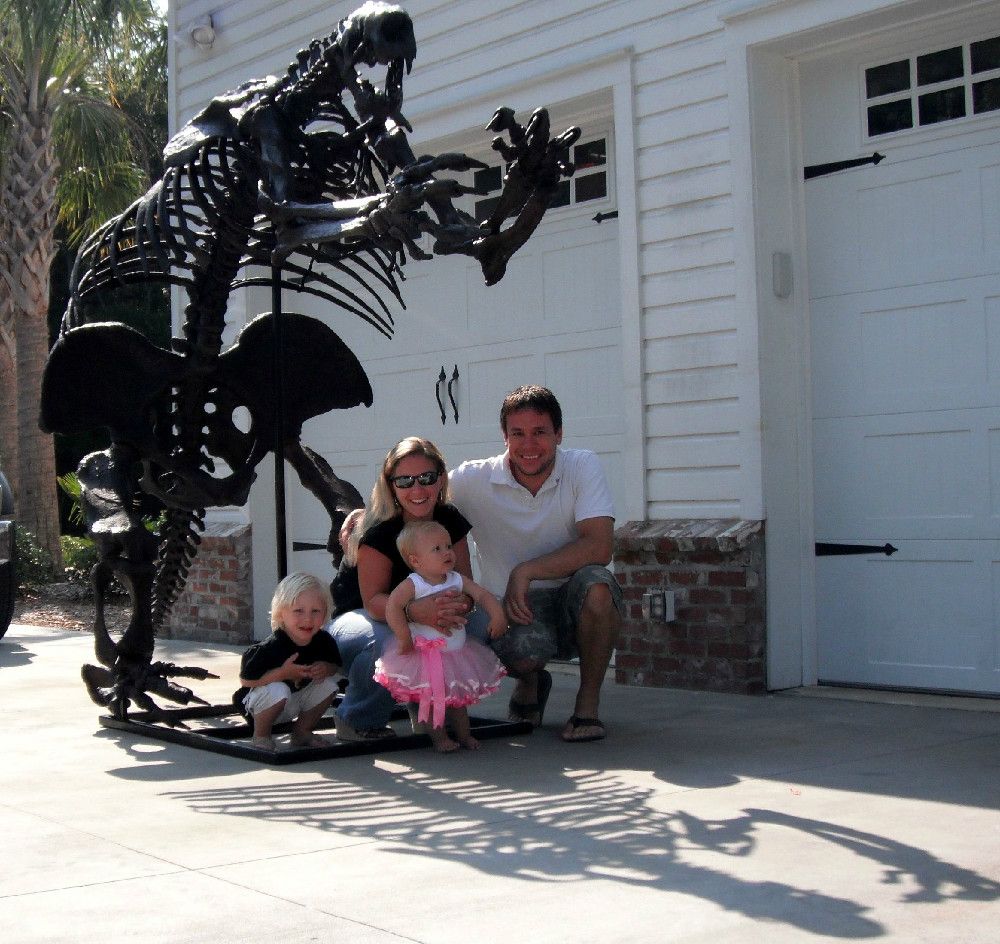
column 216, row 604
column 715, row 569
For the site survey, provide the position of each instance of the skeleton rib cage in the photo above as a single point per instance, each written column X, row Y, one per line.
column 169, row 234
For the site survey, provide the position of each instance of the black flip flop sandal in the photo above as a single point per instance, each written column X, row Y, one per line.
column 516, row 711
column 576, row 721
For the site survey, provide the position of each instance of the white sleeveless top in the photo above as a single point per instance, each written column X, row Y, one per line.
column 424, row 589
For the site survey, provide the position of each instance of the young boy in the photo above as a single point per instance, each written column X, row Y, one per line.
column 290, row 675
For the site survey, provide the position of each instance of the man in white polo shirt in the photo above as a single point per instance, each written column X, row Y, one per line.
column 543, row 524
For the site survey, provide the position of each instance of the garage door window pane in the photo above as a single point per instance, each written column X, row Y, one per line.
column 591, row 187
column 591, row 154
column 487, row 180
column 884, row 80
column 890, row 116
column 986, row 96
column 485, row 207
column 986, row 54
column 561, row 197
column 940, row 66
column 945, row 105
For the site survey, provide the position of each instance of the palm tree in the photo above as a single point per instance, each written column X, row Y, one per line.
column 66, row 154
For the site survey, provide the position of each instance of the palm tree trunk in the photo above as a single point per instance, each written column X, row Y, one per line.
column 27, row 248
column 8, row 401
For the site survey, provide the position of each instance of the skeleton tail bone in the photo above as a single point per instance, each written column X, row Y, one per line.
column 180, row 537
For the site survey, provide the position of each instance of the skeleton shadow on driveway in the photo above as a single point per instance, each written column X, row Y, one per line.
column 581, row 826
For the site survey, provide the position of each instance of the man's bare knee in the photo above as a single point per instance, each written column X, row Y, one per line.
column 599, row 604
column 524, row 667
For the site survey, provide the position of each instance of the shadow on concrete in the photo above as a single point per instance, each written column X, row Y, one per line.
column 13, row 654
column 592, row 826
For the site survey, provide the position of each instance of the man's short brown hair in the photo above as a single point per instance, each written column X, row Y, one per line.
column 531, row 397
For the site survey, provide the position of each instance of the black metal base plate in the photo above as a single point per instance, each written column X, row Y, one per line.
column 223, row 730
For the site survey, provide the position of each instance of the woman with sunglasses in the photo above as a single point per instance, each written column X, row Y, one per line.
column 412, row 486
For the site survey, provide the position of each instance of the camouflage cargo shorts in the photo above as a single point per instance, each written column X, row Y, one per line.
column 552, row 635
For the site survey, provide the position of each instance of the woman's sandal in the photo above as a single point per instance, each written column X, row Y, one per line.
column 347, row 732
column 533, row 712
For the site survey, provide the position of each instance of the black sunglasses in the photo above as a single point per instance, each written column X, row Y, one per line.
column 408, row 481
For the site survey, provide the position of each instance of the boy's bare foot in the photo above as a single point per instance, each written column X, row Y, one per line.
column 310, row 740
column 264, row 741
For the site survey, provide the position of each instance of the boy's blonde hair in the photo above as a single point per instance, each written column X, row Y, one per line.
column 411, row 534
column 293, row 586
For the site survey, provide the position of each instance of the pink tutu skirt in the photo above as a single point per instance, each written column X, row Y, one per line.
column 464, row 677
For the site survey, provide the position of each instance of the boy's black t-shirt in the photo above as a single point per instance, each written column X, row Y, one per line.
column 274, row 651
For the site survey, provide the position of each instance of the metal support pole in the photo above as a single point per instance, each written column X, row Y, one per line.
column 280, row 530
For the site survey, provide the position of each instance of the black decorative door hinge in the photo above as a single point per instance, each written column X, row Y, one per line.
column 835, row 550
column 438, row 388
column 821, row 170
column 451, row 392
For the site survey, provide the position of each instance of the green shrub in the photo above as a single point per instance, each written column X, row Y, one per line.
column 34, row 563
column 79, row 556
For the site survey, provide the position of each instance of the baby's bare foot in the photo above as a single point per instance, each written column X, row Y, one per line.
column 442, row 743
column 469, row 743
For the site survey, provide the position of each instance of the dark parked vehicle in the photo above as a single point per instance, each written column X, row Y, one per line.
column 8, row 577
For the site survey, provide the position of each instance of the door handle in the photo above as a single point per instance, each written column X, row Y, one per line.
column 451, row 396
column 442, row 378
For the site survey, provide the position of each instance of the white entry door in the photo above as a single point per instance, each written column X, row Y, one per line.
column 904, row 285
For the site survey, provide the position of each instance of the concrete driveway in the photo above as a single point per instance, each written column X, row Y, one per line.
column 702, row 818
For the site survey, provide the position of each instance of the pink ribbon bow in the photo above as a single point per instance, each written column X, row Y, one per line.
column 430, row 655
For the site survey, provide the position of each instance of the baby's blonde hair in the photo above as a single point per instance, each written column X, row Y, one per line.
column 411, row 534
column 289, row 590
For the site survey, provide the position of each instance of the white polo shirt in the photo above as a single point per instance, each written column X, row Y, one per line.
column 510, row 525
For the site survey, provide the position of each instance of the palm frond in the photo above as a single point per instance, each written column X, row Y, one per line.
column 87, row 196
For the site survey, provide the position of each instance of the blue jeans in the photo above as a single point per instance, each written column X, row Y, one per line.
column 360, row 639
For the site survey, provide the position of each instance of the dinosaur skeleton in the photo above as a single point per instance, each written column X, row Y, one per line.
column 305, row 183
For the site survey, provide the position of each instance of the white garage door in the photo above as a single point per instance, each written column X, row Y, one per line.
column 905, row 350
column 459, row 347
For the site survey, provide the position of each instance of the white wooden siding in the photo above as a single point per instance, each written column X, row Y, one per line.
column 700, row 433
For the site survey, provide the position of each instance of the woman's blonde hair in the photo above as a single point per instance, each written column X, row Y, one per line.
column 291, row 588
column 382, row 505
